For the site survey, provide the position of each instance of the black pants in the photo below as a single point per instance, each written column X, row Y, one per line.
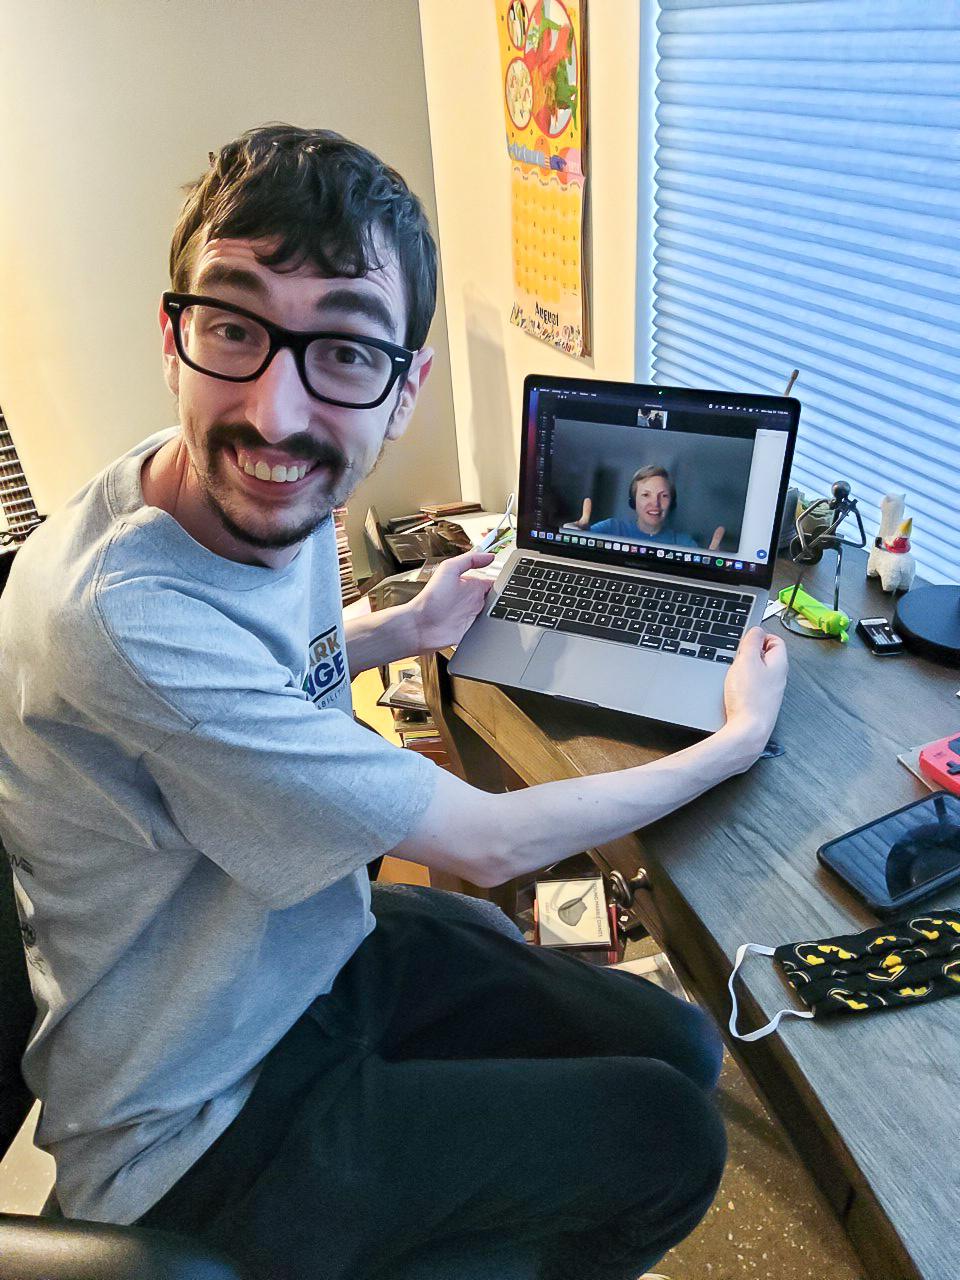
column 458, row 1086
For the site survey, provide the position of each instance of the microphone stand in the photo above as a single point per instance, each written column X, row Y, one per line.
column 807, row 550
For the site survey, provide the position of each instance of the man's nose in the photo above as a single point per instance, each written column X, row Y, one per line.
column 279, row 403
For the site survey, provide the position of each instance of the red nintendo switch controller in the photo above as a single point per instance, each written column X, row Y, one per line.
column 940, row 762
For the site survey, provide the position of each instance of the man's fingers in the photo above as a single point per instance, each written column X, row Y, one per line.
column 760, row 644
column 467, row 560
column 774, row 651
column 752, row 642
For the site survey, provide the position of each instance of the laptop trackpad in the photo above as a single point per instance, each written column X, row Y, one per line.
column 589, row 671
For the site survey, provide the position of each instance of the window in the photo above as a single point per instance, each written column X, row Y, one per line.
column 806, row 184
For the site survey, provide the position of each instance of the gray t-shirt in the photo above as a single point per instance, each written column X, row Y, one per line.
column 188, row 806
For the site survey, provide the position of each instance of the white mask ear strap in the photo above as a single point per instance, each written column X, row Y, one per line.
column 774, row 1022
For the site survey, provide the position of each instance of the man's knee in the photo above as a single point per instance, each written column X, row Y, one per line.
column 674, row 1149
column 685, row 1036
column 706, row 1047
column 691, row 1142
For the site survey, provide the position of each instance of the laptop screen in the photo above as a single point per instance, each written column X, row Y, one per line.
column 664, row 479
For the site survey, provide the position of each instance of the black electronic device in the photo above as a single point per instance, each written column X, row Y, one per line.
column 879, row 636
column 928, row 618
column 901, row 857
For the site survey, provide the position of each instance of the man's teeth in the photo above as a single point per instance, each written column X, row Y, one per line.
column 279, row 474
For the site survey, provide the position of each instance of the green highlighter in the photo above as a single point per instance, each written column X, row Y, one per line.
column 832, row 622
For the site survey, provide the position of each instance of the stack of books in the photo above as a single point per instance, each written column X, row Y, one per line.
column 348, row 582
column 443, row 510
column 424, row 739
column 411, row 715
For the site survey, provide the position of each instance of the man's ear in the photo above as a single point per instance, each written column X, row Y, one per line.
column 419, row 372
column 171, row 362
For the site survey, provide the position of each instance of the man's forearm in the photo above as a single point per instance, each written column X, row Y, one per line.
column 374, row 639
column 488, row 839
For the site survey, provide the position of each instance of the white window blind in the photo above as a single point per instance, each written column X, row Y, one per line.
column 807, row 187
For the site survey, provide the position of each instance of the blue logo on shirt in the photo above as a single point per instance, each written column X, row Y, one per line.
column 326, row 669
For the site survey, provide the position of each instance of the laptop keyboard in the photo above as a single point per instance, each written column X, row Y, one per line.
column 691, row 620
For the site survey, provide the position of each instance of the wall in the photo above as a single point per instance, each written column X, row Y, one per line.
column 108, row 108
column 489, row 357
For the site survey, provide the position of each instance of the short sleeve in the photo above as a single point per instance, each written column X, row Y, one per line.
column 287, row 799
column 284, row 796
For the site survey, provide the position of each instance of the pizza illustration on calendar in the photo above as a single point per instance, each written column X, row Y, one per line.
column 551, row 57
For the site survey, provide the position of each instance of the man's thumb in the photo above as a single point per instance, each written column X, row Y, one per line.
column 752, row 642
column 472, row 560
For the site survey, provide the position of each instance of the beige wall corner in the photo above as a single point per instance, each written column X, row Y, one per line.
column 107, row 110
column 489, row 357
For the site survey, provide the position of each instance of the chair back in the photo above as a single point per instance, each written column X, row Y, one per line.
column 17, row 1012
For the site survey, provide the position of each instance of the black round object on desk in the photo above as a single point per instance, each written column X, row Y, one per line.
column 929, row 621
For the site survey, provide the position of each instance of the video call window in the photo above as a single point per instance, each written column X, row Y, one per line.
column 645, row 484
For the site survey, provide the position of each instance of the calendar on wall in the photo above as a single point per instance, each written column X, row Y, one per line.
column 542, row 49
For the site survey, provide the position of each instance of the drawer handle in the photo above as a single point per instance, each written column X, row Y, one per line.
column 624, row 890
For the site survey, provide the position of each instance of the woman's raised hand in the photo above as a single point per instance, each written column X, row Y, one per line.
column 584, row 521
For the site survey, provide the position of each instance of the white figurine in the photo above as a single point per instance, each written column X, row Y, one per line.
column 890, row 557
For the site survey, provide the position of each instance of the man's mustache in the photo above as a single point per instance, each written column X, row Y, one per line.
column 301, row 447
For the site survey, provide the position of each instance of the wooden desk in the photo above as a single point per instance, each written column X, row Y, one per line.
column 871, row 1103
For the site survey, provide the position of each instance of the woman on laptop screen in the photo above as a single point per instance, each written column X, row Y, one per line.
column 652, row 496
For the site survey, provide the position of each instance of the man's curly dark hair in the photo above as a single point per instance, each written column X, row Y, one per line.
column 324, row 200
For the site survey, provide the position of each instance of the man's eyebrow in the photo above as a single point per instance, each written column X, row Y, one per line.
column 340, row 301
column 220, row 273
column 367, row 305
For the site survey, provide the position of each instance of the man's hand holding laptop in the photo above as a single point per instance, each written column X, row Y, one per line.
column 451, row 600
column 753, row 689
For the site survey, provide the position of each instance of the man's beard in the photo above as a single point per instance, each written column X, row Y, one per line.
column 343, row 480
column 280, row 539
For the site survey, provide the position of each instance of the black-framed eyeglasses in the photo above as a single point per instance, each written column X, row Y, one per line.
column 236, row 345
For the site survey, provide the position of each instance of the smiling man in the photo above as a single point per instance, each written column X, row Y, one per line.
column 235, row 1038
column 240, row 477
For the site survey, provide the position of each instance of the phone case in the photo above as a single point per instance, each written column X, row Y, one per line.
column 826, row 855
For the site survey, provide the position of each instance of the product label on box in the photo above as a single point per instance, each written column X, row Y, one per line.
column 572, row 913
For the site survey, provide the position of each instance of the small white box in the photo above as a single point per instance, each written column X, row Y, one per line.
column 573, row 913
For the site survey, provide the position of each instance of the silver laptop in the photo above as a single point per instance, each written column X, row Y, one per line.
column 647, row 529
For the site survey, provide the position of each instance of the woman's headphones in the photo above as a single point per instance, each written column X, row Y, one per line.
column 644, row 474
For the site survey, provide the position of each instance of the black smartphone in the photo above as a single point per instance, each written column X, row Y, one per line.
column 879, row 636
column 902, row 857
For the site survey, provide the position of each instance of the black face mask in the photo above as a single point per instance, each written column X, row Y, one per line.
column 910, row 961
